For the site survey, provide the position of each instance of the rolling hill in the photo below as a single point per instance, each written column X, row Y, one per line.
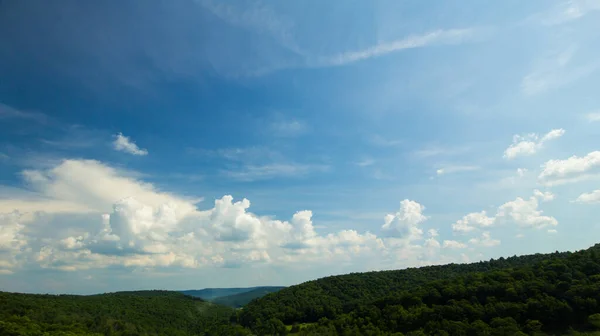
column 535, row 294
column 242, row 299
column 541, row 294
column 210, row 294
column 124, row 313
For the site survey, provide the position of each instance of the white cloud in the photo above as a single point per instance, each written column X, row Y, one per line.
column 544, row 196
column 116, row 220
column 87, row 186
column 433, row 232
column 485, row 240
column 432, row 246
column 525, row 145
column 456, row 169
column 404, row 224
column 573, row 169
column 12, row 241
column 552, row 231
column 592, row 197
column 524, row 213
column 453, row 244
column 124, row 144
column 411, row 42
column 472, row 222
column 593, row 116
column 521, row 172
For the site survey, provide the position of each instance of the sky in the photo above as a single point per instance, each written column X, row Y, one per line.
column 192, row 144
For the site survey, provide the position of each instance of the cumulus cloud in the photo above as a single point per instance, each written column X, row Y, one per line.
column 12, row 241
column 404, row 224
column 97, row 216
column 453, row 244
column 544, row 196
column 472, row 222
column 591, row 197
column 485, row 240
column 525, row 145
column 573, row 169
column 522, row 212
column 125, row 144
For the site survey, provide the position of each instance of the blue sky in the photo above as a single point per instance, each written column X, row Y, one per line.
column 197, row 144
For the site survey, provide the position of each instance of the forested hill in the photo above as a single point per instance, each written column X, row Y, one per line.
column 542, row 294
column 534, row 294
column 122, row 313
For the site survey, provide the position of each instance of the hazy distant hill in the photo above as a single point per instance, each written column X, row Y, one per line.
column 210, row 294
column 241, row 299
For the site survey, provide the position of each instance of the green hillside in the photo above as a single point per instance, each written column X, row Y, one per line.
column 536, row 294
column 242, row 299
column 542, row 294
column 125, row 313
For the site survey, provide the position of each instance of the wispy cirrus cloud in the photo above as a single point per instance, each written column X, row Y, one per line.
column 8, row 112
column 288, row 128
column 557, row 70
column 593, row 116
column 251, row 173
column 436, row 37
column 256, row 163
column 566, row 11
column 380, row 141
column 365, row 162
column 450, row 169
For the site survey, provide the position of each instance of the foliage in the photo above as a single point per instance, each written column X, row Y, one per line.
column 124, row 313
column 540, row 294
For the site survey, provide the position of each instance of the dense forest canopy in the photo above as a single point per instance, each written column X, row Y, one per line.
column 535, row 294
column 542, row 294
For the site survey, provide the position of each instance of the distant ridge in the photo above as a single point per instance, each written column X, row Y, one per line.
column 242, row 299
column 210, row 294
